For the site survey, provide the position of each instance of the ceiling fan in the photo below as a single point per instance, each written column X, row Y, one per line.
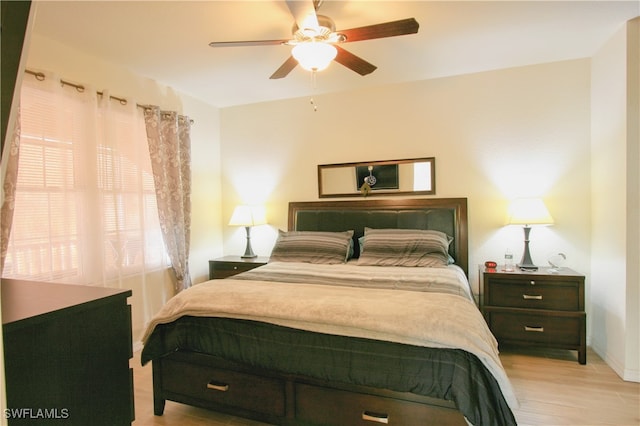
column 316, row 42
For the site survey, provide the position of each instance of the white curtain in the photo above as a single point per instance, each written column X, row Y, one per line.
column 85, row 206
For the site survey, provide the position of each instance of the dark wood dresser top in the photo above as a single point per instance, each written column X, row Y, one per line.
column 29, row 302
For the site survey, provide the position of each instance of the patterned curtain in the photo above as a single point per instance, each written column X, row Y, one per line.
column 9, row 179
column 170, row 148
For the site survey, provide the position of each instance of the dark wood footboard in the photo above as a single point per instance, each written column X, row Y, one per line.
column 213, row 383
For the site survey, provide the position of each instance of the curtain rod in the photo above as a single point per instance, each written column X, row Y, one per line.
column 80, row 88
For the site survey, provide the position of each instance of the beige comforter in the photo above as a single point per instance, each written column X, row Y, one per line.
column 442, row 280
column 401, row 316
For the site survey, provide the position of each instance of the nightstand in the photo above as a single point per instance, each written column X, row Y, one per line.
column 540, row 308
column 227, row 266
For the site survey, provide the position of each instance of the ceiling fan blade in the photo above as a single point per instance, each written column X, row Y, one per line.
column 387, row 29
column 247, row 43
column 304, row 13
column 285, row 68
column 354, row 62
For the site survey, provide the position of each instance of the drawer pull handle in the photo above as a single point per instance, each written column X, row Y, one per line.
column 532, row 282
column 536, row 329
column 375, row 417
column 532, row 297
column 222, row 387
column 235, row 268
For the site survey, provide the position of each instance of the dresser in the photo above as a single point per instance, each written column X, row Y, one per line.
column 540, row 308
column 227, row 266
column 67, row 350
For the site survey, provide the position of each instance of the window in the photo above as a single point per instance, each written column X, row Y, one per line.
column 85, row 207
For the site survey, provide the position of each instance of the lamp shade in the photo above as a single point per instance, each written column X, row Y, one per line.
column 245, row 215
column 528, row 211
column 314, row 56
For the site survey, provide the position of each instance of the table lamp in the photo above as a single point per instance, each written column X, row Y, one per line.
column 248, row 216
column 527, row 212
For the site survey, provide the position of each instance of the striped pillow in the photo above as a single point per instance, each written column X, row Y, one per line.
column 312, row 247
column 404, row 247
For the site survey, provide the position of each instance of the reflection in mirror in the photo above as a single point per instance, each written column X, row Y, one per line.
column 394, row 177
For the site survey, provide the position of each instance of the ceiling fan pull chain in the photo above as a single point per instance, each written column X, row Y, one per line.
column 314, row 87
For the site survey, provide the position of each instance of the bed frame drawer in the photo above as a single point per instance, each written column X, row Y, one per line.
column 317, row 405
column 222, row 387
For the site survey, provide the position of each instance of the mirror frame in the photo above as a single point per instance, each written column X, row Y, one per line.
column 373, row 192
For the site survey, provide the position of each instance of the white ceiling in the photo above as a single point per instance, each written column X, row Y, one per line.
column 168, row 40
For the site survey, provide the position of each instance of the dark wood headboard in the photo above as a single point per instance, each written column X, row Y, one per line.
column 448, row 215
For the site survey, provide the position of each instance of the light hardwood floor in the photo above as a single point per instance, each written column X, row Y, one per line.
column 552, row 388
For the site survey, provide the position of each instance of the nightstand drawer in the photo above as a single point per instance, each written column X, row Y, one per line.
column 529, row 327
column 232, row 265
column 225, row 269
column 534, row 294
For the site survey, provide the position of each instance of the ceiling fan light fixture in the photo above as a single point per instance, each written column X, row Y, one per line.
column 314, row 56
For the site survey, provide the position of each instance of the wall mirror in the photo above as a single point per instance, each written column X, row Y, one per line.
column 415, row 176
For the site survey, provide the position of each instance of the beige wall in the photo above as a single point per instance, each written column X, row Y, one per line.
column 632, row 338
column 613, row 315
column 495, row 136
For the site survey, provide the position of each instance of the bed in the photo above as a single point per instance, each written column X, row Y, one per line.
column 360, row 340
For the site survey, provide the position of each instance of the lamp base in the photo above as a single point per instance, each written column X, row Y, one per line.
column 248, row 251
column 528, row 267
column 526, row 264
